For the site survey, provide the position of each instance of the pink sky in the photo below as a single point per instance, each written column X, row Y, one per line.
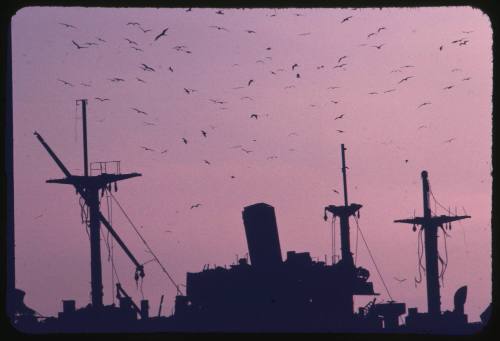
column 295, row 124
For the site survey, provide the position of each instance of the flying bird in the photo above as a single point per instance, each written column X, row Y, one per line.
column 246, row 150
column 294, row 66
column 148, row 123
column 250, row 82
column 67, row 25
column 140, row 80
column 441, row 48
column 146, row 68
column 343, row 57
column 334, row 87
column 378, row 46
column 449, row 140
column 247, row 97
column 346, row 19
column 170, row 69
column 381, row 28
column 340, row 131
column 78, row 46
column 448, row 87
column 467, row 78
column 189, row 9
column 204, row 133
column 188, row 91
column 220, row 28
column 407, row 66
column 102, row 99
column 65, row 82
column 371, row 34
column 425, row 103
column 298, row 75
column 373, row 93
column 161, row 34
column 147, row 149
column 164, row 151
column 139, row 111
column 116, row 79
column 304, row 34
column 339, row 117
column 390, row 90
column 254, row 116
column 340, row 65
column 130, row 41
column 100, row 39
column 289, row 86
column 405, row 79
column 249, row 31
column 133, row 24
column 335, row 191
column 196, row 205
column 85, row 84
column 184, row 140
column 206, row 161
column 219, row 12
column 137, row 49
column 143, row 30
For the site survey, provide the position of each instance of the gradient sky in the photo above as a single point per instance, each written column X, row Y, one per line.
column 295, row 160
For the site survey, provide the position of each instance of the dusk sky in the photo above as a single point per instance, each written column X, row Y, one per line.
column 405, row 89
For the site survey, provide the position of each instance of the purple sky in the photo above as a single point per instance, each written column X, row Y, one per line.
column 294, row 163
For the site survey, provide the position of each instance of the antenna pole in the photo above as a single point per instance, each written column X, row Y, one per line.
column 342, row 149
column 85, row 153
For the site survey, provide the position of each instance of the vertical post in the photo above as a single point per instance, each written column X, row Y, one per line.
column 431, row 254
column 84, row 121
column 342, row 148
column 95, row 247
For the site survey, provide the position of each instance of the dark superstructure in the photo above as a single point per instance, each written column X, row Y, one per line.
column 263, row 293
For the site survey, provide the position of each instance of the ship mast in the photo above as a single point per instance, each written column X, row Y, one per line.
column 430, row 225
column 344, row 212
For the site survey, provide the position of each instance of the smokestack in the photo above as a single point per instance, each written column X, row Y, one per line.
column 262, row 236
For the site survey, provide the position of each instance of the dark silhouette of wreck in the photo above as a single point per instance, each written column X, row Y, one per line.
column 268, row 294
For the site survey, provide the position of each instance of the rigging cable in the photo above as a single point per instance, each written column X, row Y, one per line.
column 373, row 260
column 146, row 244
column 334, row 248
column 420, row 252
column 356, row 251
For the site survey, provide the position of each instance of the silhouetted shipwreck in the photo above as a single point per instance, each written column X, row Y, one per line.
column 268, row 294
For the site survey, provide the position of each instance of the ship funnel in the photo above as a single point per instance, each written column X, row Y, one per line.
column 459, row 300
column 262, row 236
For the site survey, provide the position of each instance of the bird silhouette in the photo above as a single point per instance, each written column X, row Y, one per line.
column 339, row 66
column 346, row 19
column 170, row 69
column 91, row 43
column 140, row 80
column 246, row 150
column 133, row 24
column 130, row 41
column 148, row 123
column 146, row 68
column 100, row 39
column 233, row 177
column 67, row 25
column 116, row 79
column 249, row 31
column 381, row 28
column 219, row 12
column 294, row 66
column 250, row 82
column 449, row 140
column 340, row 59
column 448, row 87
column 184, row 140
column 164, row 151
column 458, row 40
column 335, row 191
column 371, row 34
column 65, row 82
column 304, row 34
column 405, row 79
column 137, row 49
column 339, row 117
column 188, row 91
column 139, row 111
column 144, row 30
column 340, row 131
column 378, row 46
column 390, row 90
column 78, row 46
column 204, row 133
column 220, row 28
column 467, row 78
column 254, row 116
column 425, row 103
column 147, row 149
column 297, row 75
column 456, row 69
column 85, row 84
column 463, row 42
column 195, row 205
column 320, row 67
column 422, row 126
column 247, row 97
column 102, row 99
column 407, row 66
column 333, row 87
column 441, row 48
column 373, row 93
column 163, row 33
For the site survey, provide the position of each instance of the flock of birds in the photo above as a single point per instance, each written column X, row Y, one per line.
column 341, row 63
